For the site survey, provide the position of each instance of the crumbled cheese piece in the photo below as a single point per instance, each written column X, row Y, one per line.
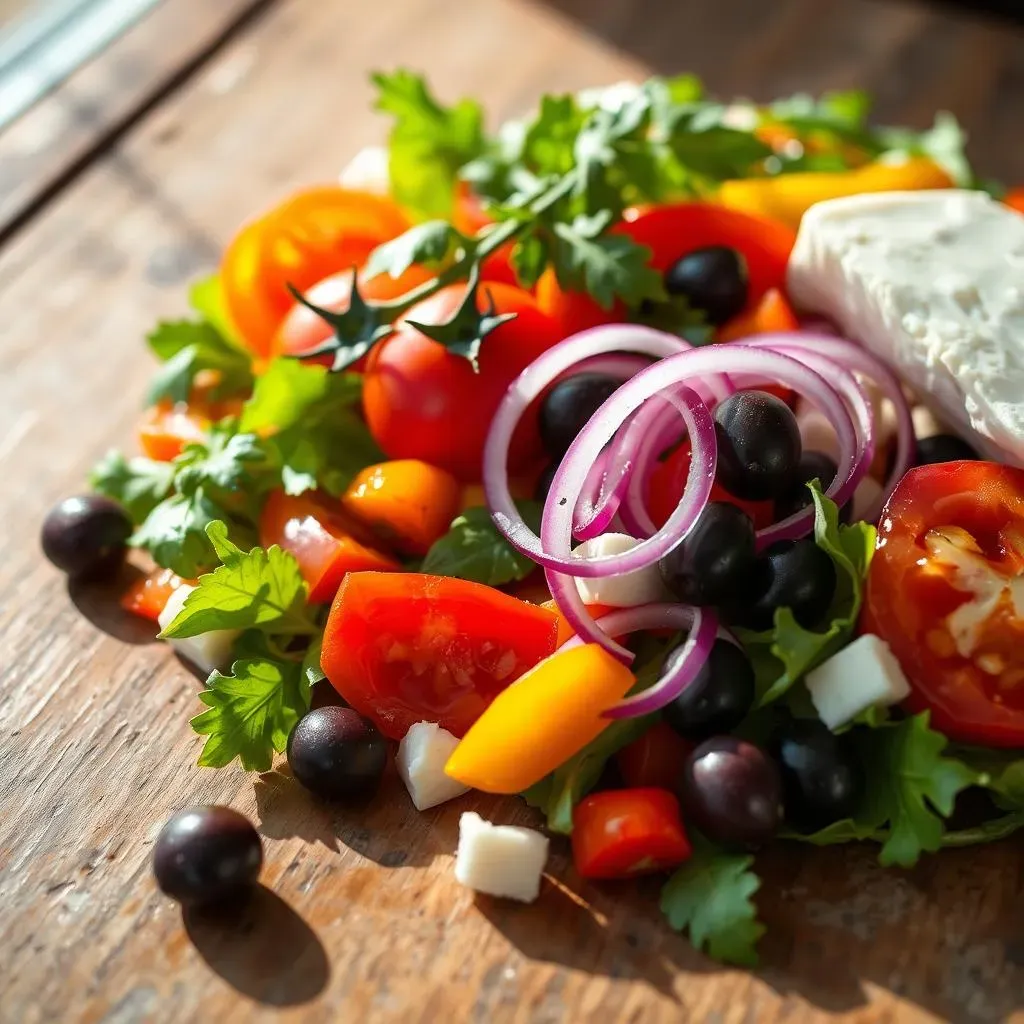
column 501, row 860
column 208, row 651
column 422, row 755
column 625, row 590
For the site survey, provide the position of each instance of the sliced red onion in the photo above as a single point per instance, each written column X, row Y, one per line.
column 702, row 624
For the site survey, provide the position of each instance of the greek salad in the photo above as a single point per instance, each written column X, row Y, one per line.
column 653, row 458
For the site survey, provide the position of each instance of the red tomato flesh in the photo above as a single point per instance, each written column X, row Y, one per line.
column 655, row 759
column 622, row 833
column 147, row 596
column 403, row 648
column 943, row 590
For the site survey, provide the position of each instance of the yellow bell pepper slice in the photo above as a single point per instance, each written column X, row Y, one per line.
column 788, row 197
column 541, row 720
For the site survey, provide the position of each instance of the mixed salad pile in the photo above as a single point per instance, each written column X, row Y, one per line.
column 519, row 445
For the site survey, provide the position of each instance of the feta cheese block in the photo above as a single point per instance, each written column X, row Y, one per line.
column 208, row 651
column 933, row 283
column 422, row 755
column 501, row 860
column 625, row 590
column 862, row 675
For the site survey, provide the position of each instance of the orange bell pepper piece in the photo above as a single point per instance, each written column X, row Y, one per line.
column 541, row 720
column 407, row 503
column 772, row 313
column 787, row 197
column 565, row 631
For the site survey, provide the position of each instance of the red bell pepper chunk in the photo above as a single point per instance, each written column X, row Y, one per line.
column 621, row 833
column 654, row 759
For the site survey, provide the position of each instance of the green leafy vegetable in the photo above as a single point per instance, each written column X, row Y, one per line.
column 786, row 653
column 710, row 897
column 174, row 533
column 259, row 589
column 206, row 297
column 187, row 346
column 138, row 484
column 429, row 243
column 473, row 549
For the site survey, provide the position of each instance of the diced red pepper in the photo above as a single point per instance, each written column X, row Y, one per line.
column 655, row 759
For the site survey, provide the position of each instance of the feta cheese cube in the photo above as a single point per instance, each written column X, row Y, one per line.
column 501, row 860
column 625, row 590
column 208, row 651
column 422, row 755
column 862, row 675
column 367, row 171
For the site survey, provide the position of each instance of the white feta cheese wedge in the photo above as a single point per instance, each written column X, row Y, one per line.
column 862, row 675
column 367, row 171
column 625, row 590
column 208, row 651
column 501, row 860
column 422, row 755
column 933, row 283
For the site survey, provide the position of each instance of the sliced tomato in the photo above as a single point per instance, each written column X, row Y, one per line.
column 315, row 534
column 655, row 759
column 944, row 590
column 573, row 311
column 773, row 313
column 669, row 480
column 313, row 234
column 147, row 596
column 166, row 428
column 1015, row 199
column 403, row 648
column 621, row 833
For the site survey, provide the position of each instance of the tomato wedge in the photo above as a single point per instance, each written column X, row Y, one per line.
column 772, row 313
column 308, row 529
column 622, row 833
column 654, row 759
column 166, row 428
column 403, row 648
column 1015, row 199
column 147, row 596
column 946, row 591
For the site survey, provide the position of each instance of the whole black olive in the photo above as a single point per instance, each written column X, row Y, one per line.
column 85, row 536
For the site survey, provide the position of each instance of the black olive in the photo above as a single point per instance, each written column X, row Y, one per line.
column 568, row 406
column 544, row 482
column 207, row 855
column 86, row 536
column 796, row 575
column 943, row 448
column 712, row 280
column 812, row 466
column 713, row 564
column 732, row 792
column 758, row 445
column 337, row 754
column 822, row 778
column 718, row 699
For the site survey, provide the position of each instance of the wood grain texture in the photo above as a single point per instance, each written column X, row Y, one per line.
column 361, row 920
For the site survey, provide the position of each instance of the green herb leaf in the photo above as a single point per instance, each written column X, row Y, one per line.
column 138, row 484
column 431, row 242
column 473, row 549
column 429, row 142
column 206, row 297
column 232, row 467
column 783, row 655
column 187, row 346
column 259, row 589
column 174, row 533
column 944, row 143
column 710, row 897
column 251, row 712
column 311, row 670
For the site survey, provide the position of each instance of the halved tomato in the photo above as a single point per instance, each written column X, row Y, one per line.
column 147, row 596
column 946, row 591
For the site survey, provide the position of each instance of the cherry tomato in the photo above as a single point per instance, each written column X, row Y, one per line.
column 621, row 833
column 302, row 329
column 1015, row 199
column 167, row 427
column 773, row 313
column 316, row 535
column 669, row 479
column 313, row 234
column 655, row 759
column 147, row 596
column 573, row 311
column 403, row 648
column 943, row 591
column 422, row 401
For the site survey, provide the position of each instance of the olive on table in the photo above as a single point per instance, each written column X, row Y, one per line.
column 718, row 698
column 568, row 406
column 759, row 445
column 713, row 280
column 86, row 536
column 207, row 855
column 822, row 777
column 732, row 792
column 714, row 563
column 943, row 448
column 812, row 466
column 337, row 754
column 796, row 575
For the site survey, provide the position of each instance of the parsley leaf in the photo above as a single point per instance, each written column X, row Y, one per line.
column 251, row 712
column 185, row 347
column 174, row 533
column 710, row 897
column 206, row 297
column 786, row 653
column 431, row 242
column 138, row 484
column 473, row 549
column 429, row 142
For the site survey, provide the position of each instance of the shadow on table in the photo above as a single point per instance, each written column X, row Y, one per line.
column 262, row 948
column 837, row 923
column 100, row 603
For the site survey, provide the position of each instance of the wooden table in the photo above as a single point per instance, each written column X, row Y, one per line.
column 115, row 192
